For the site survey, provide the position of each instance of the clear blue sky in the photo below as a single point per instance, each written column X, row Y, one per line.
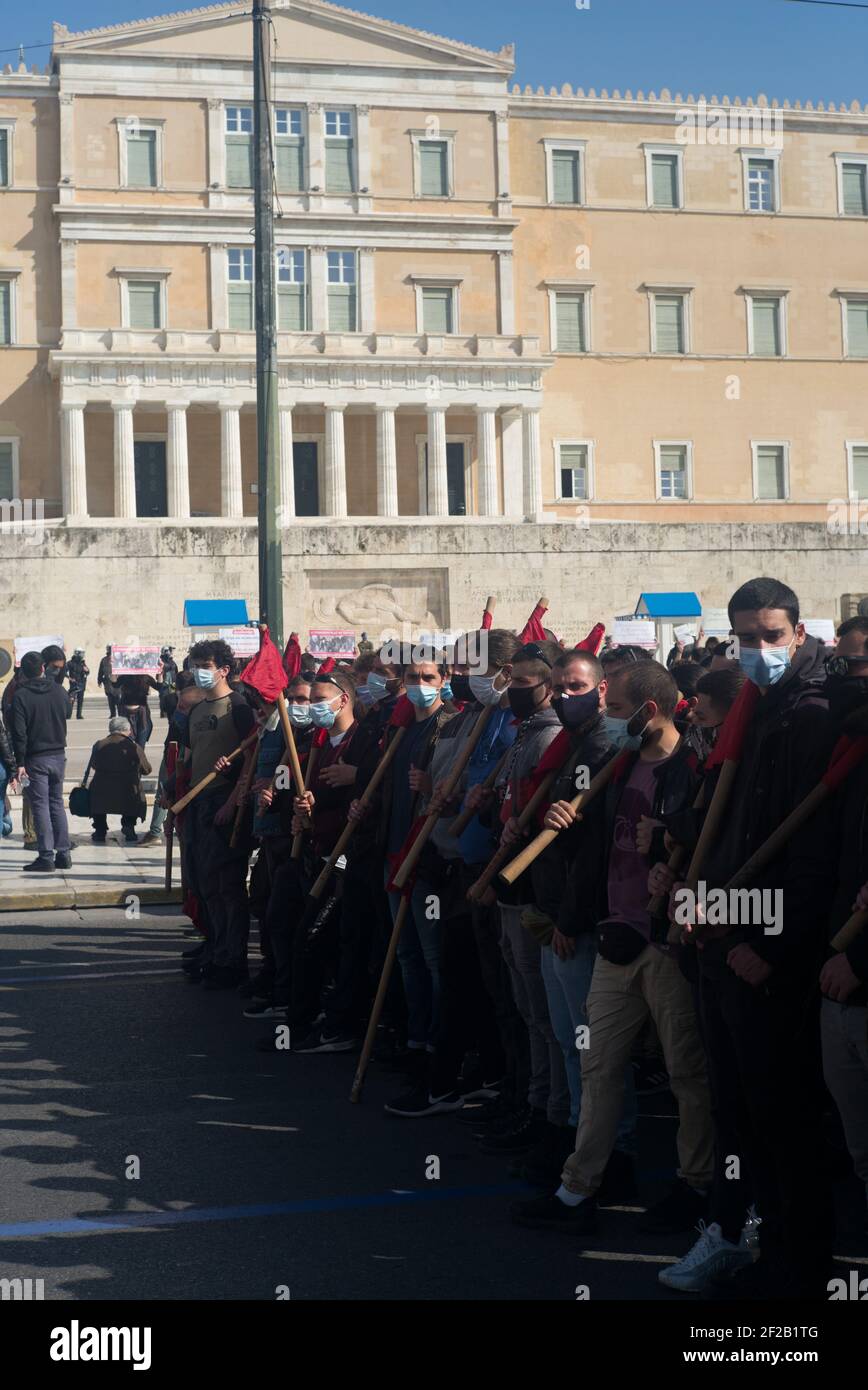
column 738, row 47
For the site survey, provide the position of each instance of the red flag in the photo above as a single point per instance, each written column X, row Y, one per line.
column 846, row 754
column 395, row 860
column 292, row 657
column 328, row 665
column 533, row 630
column 731, row 738
column 487, row 615
column 594, row 640
column 265, row 671
column 403, row 714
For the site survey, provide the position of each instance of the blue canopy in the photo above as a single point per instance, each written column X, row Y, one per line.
column 684, row 605
column 215, row 612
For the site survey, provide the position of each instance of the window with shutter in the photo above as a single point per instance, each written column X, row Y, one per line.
column 291, row 291
column 854, row 190
column 570, row 322
column 664, row 180
column 766, row 327
column 433, row 169
column 859, row 470
column 5, row 312
column 673, row 470
column 857, row 327
column 144, row 302
column 289, row 164
column 4, row 159
column 342, row 308
column 239, row 161
column 771, row 478
column 436, row 309
column 574, row 471
column 669, row 323
column 339, row 166
column 240, row 288
column 7, row 481
column 142, row 159
column 566, row 176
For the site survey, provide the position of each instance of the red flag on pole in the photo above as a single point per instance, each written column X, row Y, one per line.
column 734, row 727
column 265, row 672
column 594, row 640
column 533, row 630
column 488, row 614
column 292, row 657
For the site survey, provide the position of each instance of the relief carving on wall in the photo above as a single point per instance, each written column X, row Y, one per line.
column 376, row 607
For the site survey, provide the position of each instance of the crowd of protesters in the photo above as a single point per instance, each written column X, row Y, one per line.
column 535, row 1007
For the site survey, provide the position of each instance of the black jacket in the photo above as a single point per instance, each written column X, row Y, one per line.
column 586, row 900
column 40, row 709
column 7, row 752
column 846, row 842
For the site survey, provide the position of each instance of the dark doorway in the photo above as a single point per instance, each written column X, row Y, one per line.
column 456, row 494
column 150, row 461
column 306, row 472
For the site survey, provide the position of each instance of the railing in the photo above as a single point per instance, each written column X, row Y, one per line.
column 227, row 343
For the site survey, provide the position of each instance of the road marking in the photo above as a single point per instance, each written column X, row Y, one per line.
column 235, row 1124
column 132, row 1221
column 626, row 1258
column 207, row 1097
column 101, row 975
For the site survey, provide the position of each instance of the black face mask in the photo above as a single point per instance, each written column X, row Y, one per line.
column 846, row 694
column 57, row 672
column 522, row 699
column 574, row 710
column 461, row 688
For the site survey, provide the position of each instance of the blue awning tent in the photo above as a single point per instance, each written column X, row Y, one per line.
column 678, row 605
column 215, row 612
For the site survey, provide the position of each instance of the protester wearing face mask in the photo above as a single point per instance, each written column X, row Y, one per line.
column 844, row 976
column 216, row 872
column 636, row 976
column 758, row 991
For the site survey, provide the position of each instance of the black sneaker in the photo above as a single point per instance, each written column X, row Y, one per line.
column 226, row 977
column 194, row 952
column 521, row 1136
column 63, row 859
column 480, row 1089
column 419, row 1101
column 40, row 866
column 680, row 1210
column 650, row 1076
column 97, row 839
column 130, row 837
column 544, row 1164
column 319, row 1041
column 483, row 1116
column 260, row 987
column 619, row 1181
column 550, row 1213
column 266, row 1008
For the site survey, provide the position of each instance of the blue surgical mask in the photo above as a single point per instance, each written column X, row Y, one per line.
column 618, row 732
column 377, row 687
column 422, row 696
column 322, row 714
column 764, row 666
column 446, row 691
column 205, row 679
column 484, row 691
column 300, row 716
column 364, row 696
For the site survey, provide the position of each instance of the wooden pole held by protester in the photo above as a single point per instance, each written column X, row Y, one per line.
column 309, row 774
column 463, row 819
column 516, row 867
column 244, row 785
column 209, row 777
column 373, row 1022
column 853, row 927
column 477, row 890
column 290, row 743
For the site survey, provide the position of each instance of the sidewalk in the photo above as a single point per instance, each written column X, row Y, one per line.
column 106, row 875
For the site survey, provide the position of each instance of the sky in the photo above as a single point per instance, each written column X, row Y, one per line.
column 783, row 48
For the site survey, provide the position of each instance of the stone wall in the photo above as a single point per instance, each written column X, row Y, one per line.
column 110, row 580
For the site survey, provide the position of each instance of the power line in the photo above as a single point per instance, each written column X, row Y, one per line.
column 831, row 4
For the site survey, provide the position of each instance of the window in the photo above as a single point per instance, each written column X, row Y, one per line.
column 341, row 287
column 570, row 322
column 144, row 301
column 770, row 472
column 663, row 177
column 7, row 310
column 852, row 185
column 766, row 326
column 433, row 169
column 8, row 483
column 6, row 155
column 438, row 309
column 857, row 470
column 141, row 158
column 573, row 472
column 339, row 165
column 669, row 323
column 240, row 288
column 856, row 327
column 673, row 466
column 566, row 176
column 289, row 151
column 239, row 146
column 761, row 185
column 291, row 290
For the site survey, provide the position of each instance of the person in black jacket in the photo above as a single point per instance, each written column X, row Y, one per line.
column 636, row 974
column 758, row 972
column 40, row 709
column 8, row 776
column 104, row 678
column 844, row 976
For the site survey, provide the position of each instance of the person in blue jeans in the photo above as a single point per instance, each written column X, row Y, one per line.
column 40, row 710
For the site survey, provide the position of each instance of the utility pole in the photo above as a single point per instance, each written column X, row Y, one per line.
column 267, row 435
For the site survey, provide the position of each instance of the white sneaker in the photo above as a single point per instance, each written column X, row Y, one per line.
column 711, row 1255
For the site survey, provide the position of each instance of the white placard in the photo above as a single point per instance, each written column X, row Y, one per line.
column 135, row 661
column 685, row 632
column 715, row 622
column 244, row 641
column 823, row 628
column 23, row 645
column 635, row 632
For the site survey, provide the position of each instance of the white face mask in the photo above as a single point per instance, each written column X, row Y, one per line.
column 485, row 691
column 272, row 722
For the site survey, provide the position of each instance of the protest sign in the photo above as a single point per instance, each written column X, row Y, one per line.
column 34, row 644
column 135, row 661
column 244, row 641
column 634, row 632
column 332, row 642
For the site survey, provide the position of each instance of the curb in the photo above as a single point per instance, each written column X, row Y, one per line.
column 85, row 897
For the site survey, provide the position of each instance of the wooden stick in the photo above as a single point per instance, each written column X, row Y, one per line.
column 209, row 777
column 490, row 604
column 522, row 861
column 290, row 743
column 382, row 987
column 463, row 819
column 766, row 852
column 170, row 836
column 243, row 791
column 350, row 828
column 409, row 862
column 309, row 774
column 852, row 928
column 676, row 859
column 477, row 890
column 711, row 825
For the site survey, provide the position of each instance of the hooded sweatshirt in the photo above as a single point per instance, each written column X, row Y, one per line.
column 40, row 709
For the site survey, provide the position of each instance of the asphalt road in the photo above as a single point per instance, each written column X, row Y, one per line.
column 254, row 1171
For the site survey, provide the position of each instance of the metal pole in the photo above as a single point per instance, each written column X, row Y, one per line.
column 267, row 425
